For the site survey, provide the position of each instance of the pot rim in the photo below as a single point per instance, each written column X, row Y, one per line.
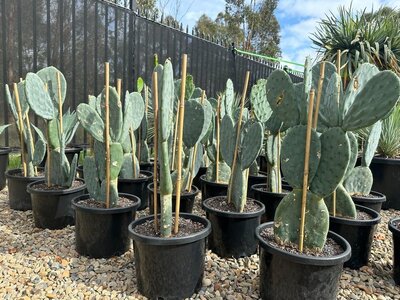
column 148, row 174
column 395, row 231
column 237, row 215
column 72, row 149
column 307, row 259
column 32, row 190
column 375, row 220
column 5, row 150
column 382, row 197
column 262, row 174
column 256, row 187
column 187, row 194
column 105, row 211
column 10, row 174
column 203, row 178
column 386, row 160
column 171, row 241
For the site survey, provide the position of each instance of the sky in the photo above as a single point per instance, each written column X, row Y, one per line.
column 298, row 19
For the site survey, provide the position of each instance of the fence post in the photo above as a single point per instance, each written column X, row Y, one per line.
column 233, row 69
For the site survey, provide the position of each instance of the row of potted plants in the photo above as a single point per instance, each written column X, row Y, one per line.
column 312, row 144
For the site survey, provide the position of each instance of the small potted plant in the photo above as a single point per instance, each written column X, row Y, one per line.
column 3, row 160
column 104, row 207
column 169, row 249
column 394, row 227
column 32, row 152
column 51, row 198
column 234, row 217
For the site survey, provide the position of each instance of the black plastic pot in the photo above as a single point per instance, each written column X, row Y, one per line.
column 187, row 200
column 19, row 198
column 269, row 199
column 285, row 275
column 211, row 189
column 52, row 208
column 137, row 187
column 79, row 172
column 103, row 232
column 232, row 232
column 69, row 153
column 396, row 248
column 374, row 203
column 255, row 179
column 3, row 166
column 170, row 268
column 359, row 234
column 262, row 163
column 386, row 173
column 196, row 179
column 147, row 166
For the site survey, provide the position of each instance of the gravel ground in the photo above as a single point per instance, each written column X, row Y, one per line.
column 43, row 264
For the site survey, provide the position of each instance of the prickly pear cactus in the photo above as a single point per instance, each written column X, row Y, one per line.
column 42, row 94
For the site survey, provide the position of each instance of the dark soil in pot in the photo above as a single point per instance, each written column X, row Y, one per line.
column 211, row 189
column 19, row 198
column 386, row 173
column 69, row 153
column 52, row 206
column 290, row 275
column 170, row 268
column 137, row 187
column 373, row 201
column 233, row 232
column 394, row 227
column 196, row 179
column 186, row 204
column 269, row 199
column 358, row 232
column 103, row 232
column 3, row 166
column 261, row 177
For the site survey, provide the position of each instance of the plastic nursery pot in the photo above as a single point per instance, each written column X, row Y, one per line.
column 3, row 166
column 286, row 275
column 375, row 202
column 233, row 232
column 19, row 198
column 394, row 227
column 269, row 199
column 211, row 189
column 69, row 153
column 187, row 199
column 262, row 163
column 386, row 172
column 103, row 232
column 52, row 207
column 359, row 234
column 137, row 187
column 170, row 268
column 255, row 179
column 196, row 179
column 79, row 172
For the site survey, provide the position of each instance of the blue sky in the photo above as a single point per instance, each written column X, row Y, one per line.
column 297, row 18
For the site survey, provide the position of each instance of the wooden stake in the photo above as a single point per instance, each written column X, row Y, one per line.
column 155, row 141
column 306, row 169
column 21, row 128
column 48, row 149
column 119, row 87
column 218, row 141
column 107, row 132
column 278, row 162
column 194, row 155
column 60, row 111
column 180, row 136
column 239, row 125
column 319, row 94
column 28, row 125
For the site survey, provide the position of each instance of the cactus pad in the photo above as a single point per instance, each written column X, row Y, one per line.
column 252, row 133
column 91, row 121
column 38, row 98
column 228, row 139
column 371, row 144
column 359, row 181
column 344, row 204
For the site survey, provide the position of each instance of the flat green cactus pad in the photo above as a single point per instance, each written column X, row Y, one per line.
column 359, row 181
column 344, row 204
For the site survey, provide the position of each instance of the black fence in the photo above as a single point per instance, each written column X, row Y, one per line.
column 78, row 36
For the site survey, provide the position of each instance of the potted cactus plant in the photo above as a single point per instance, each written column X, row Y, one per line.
column 169, row 248
column 104, row 207
column 394, row 227
column 234, row 217
column 3, row 160
column 32, row 152
column 51, row 198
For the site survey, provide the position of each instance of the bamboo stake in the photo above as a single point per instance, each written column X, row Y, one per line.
column 21, row 128
column 155, row 141
column 239, row 125
column 278, row 162
column 306, row 169
column 48, row 149
column 194, row 155
column 180, row 135
column 319, row 94
column 217, row 143
column 60, row 112
column 28, row 126
column 119, row 87
column 107, row 132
